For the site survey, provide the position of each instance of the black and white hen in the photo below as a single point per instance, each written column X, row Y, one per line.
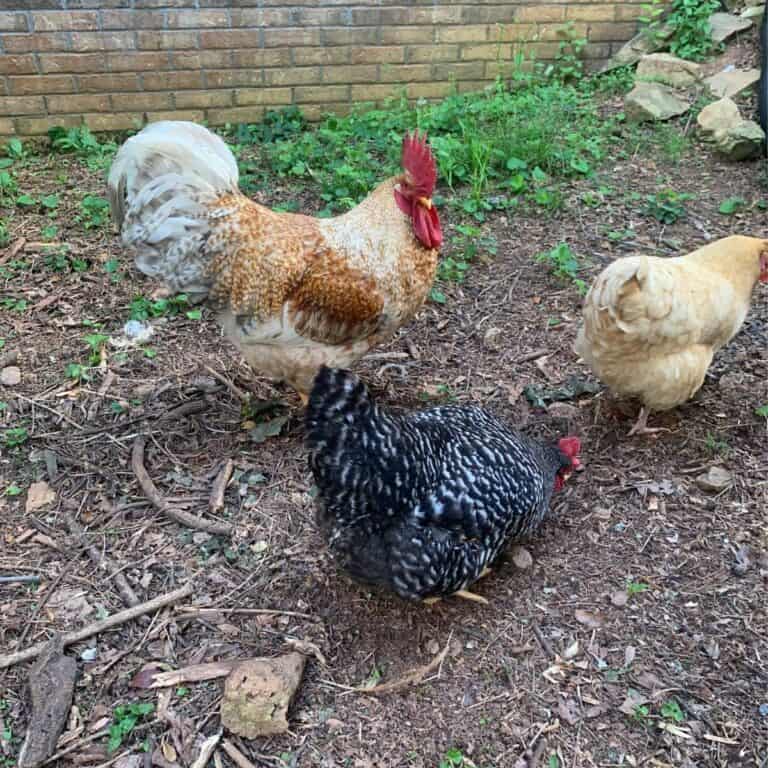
column 423, row 502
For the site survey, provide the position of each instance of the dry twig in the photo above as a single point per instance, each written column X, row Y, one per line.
column 237, row 757
column 150, row 491
column 9, row 659
column 219, row 487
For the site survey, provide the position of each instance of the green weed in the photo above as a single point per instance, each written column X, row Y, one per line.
column 94, row 212
column 670, row 710
column 762, row 411
column 125, row 719
column 81, row 142
column 636, row 588
column 142, row 308
column 691, row 31
column 667, row 206
column 12, row 304
column 453, row 758
column 731, row 205
column 564, row 263
column 14, row 437
column 5, row 236
column 8, row 186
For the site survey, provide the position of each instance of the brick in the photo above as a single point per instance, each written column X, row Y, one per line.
column 292, row 76
column 201, row 59
column 325, row 17
column 164, row 4
column 474, row 70
column 596, row 51
column 13, row 22
column 470, row 86
column 52, row 21
column 512, row 33
column 628, row 11
column 384, row 54
column 6, row 127
column 71, row 62
column 429, row 90
column 493, row 14
column 352, row 73
column 264, row 96
column 278, row 57
column 374, row 92
column 17, row 65
column 350, row 35
column 27, row 86
column 193, row 115
column 541, row 13
column 232, row 38
column 249, row 17
column 404, row 73
column 122, row 19
column 108, row 82
column 590, row 12
column 36, row 43
column 28, row 5
column 231, row 78
column 364, row 17
column 22, row 105
column 202, row 99
column 171, row 81
column 308, row 56
column 279, row 38
column 94, row 4
column 610, row 32
column 35, row 126
column 406, row 35
column 322, row 93
column 235, row 115
column 164, row 41
column 487, row 51
column 78, row 102
column 550, row 33
column 130, row 102
column 103, row 41
column 437, row 14
column 426, row 53
column 470, row 33
column 134, row 62
column 114, row 121
column 188, row 19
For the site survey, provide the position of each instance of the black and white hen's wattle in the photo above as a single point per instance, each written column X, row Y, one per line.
column 423, row 502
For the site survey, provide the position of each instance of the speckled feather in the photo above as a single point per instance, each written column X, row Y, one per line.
column 294, row 292
column 422, row 502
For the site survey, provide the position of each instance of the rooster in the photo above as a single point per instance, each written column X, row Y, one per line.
column 652, row 325
column 422, row 503
column 293, row 292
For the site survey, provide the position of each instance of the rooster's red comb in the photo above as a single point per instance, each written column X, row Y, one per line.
column 571, row 446
column 419, row 163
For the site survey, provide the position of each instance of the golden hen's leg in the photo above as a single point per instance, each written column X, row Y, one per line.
column 304, row 399
column 640, row 427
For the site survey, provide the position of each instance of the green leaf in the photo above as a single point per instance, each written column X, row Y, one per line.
column 26, row 200
column 13, row 490
column 50, row 201
column 731, row 205
column 267, row 429
column 762, row 411
column 195, row 314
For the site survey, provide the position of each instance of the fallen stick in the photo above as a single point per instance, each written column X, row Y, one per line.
column 206, row 750
column 414, row 677
column 19, row 579
column 150, row 491
column 195, row 673
column 191, row 611
column 237, row 757
column 109, row 380
column 102, row 561
column 220, row 486
column 9, row 659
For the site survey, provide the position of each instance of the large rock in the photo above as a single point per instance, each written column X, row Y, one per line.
column 667, row 69
column 725, row 25
column 721, row 124
column 753, row 13
column 641, row 44
column 653, row 101
column 731, row 82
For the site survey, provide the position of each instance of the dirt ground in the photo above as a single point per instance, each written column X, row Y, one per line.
column 639, row 635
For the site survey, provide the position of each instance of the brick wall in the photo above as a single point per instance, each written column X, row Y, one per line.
column 115, row 64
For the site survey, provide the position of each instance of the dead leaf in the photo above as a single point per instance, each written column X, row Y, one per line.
column 521, row 557
column 10, row 376
column 649, row 681
column 629, row 655
column 169, row 751
column 619, row 598
column 572, row 651
column 632, row 702
column 569, row 711
column 129, row 761
column 70, row 604
column 742, row 561
column 267, row 429
column 334, row 725
column 591, row 620
column 257, row 694
column 307, row 648
column 712, row 649
column 39, row 495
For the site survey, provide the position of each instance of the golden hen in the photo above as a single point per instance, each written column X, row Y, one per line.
column 652, row 325
column 293, row 292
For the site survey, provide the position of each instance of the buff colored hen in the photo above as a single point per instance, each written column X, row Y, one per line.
column 652, row 325
column 293, row 292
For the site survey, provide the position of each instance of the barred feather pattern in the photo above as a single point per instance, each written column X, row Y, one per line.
column 420, row 503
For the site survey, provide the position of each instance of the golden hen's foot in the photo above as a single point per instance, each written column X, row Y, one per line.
column 640, row 427
column 304, row 399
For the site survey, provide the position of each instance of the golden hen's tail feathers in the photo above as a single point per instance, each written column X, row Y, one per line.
column 159, row 185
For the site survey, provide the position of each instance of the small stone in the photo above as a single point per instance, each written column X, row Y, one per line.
column 563, row 411
column 669, row 70
column 763, row 710
column 725, row 25
column 493, row 339
column 640, row 45
column 521, row 557
column 10, row 376
column 653, row 101
column 743, row 142
column 732, row 82
column 39, row 495
column 733, row 137
column 716, row 479
column 258, row 693
column 754, row 12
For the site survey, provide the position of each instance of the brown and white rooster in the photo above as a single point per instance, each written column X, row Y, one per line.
column 293, row 292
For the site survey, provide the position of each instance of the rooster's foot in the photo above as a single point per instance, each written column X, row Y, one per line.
column 471, row 596
column 640, row 427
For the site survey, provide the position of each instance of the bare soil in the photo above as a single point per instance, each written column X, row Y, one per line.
column 549, row 664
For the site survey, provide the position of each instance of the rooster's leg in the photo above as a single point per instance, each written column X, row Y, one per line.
column 471, row 596
column 640, row 427
column 304, row 399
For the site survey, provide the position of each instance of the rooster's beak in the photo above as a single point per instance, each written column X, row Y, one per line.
column 426, row 202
